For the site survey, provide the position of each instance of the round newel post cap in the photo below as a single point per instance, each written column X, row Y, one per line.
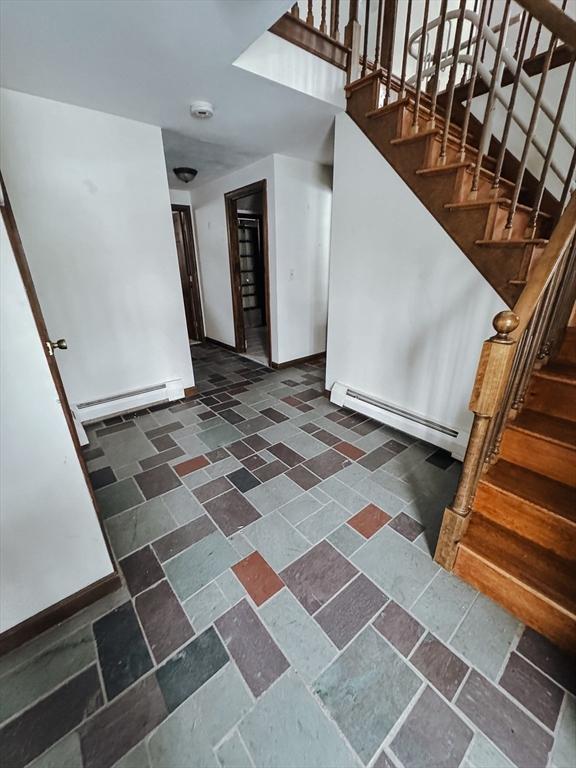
column 504, row 323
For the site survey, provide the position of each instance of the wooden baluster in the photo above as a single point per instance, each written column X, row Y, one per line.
column 388, row 37
column 534, row 50
column 405, row 50
column 377, row 51
column 295, row 11
column 568, row 182
column 511, row 104
column 335, row 20
column 488, row 20
column 323, row 18
column 421, row 47
column 528, row 140
column 551, row 144
column 473, row 76
column 469, row 45
column 433, row 84
column 452, row 81
column 520, row 32
column 352, row 42
column 490, row 104
column 489, row 388
column 310, row 14
column 366, row 24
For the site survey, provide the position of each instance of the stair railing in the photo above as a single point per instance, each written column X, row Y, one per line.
column 524, row 337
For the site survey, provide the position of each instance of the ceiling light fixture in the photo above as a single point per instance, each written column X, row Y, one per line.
column 203, row 110
column 185, row 174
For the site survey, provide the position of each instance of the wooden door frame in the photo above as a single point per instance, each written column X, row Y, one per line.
column 192, row 264
column 54, row 614
column 230, row 202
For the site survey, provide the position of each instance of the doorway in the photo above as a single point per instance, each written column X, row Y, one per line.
column 182, row 220
column 246, row 215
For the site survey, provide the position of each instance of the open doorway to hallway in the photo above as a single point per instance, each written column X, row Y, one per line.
column 182, row 220
column 248, row 249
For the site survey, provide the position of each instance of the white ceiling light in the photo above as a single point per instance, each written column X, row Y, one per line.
column 203, row 110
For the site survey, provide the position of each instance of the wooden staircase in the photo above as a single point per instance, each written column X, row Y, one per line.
column 476, row 225
column 520, row 546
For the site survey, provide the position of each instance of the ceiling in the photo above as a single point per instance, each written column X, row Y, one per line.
column 148, row 59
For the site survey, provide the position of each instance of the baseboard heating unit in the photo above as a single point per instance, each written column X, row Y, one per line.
column 392, row 415
column 93, row 410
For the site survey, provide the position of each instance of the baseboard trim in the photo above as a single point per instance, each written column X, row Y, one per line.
column 49, row 617
column 190, row 391
column 298, row 361
column 229, row 347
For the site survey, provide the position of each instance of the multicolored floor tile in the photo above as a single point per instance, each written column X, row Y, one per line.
column 280, row 606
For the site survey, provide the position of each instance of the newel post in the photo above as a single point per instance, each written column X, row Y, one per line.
column 489, row 385
column 352, row 35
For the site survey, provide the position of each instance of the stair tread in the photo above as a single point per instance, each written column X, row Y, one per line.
column 537, row 241
column 558, row 371
column 541, row 570
column 539, row 490
column 550, row 428
column 503, row 202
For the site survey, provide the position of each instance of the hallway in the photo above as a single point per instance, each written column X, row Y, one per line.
column 280, row 604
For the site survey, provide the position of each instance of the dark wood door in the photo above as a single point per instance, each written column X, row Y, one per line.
column 188, row 271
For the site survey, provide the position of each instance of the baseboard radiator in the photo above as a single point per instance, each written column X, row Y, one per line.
column 93, row 410
column 391, row 415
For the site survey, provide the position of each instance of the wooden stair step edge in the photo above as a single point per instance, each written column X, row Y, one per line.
column 542, row 443
column 567, row 351
column 553, row 391
column 534, row 584
column 529, row 504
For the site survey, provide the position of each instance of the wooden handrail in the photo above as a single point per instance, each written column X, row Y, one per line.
column 553, row 18
column 561, row 237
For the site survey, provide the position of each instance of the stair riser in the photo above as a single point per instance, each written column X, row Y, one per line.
column 530, row 607
column 567, row 352
column 533, row 452
column 519, row 515
column 556, row 398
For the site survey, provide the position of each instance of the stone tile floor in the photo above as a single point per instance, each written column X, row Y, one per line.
column 280, row 604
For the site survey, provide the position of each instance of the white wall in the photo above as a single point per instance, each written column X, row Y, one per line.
column 407, row 310
column 90, row 196
column 51, row 544
column 179, row 196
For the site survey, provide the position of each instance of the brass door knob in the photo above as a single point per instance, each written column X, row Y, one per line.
column 59, row 344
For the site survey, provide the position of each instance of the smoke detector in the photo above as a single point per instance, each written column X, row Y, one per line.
column 203, row 110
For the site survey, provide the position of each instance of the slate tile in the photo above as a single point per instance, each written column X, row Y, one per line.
column 273, row 494
column 217, row 455
column 113, row 732
column 182, row 505
column 343, row 494
column 141, row 570
column 163, row 443
column 564, row 752
column 257, row 424
column 258, row 578
column 232, row 753
column 287, row 727
column 92, row 453
column 173, row 426
column 443, row 604
column 309, row 394
column 399, row 627
column 352, row 608
column 161, row 458
column 270, row 471
column 122, row 649
column 286, row 454
column 198, row 565
column 31, row 733
column 439, row 665
column 253, row 462
column 25, row 684
column 300, row 508
column 352, row 691
column 366, row 427
column 186, row 467
column 346, row 540
column 257, row 443
column 64, row 754
column 274, row 415
column 181, row 538
column 163, row 619
column 206, row 606
column 310, row 427
column 349, row 450
column 376, row 458
column 291, row 400
column 136, row 527
column 321, row 523
column 326, row 437
column 126, row 447
column 216, row 437
column 534, row 690
column 115, row 425
column 101, row 477
column 515, row 733
column 327, row 463
column 135, row 758
column 243, row 480
column 316, row 576
column 187, row 738
column 556, row 663
column 369, row 520
column 432, row 734
column 231, row 588
column 259, row 659
column 406, row 526
column 240, row 449
column 302, row 477
column 441, row 459
column 117, row 497
column 231, row 511
column 276, row 540
column 154, row 482
column 231, row 416
column 190, row 668
column 209, row 490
